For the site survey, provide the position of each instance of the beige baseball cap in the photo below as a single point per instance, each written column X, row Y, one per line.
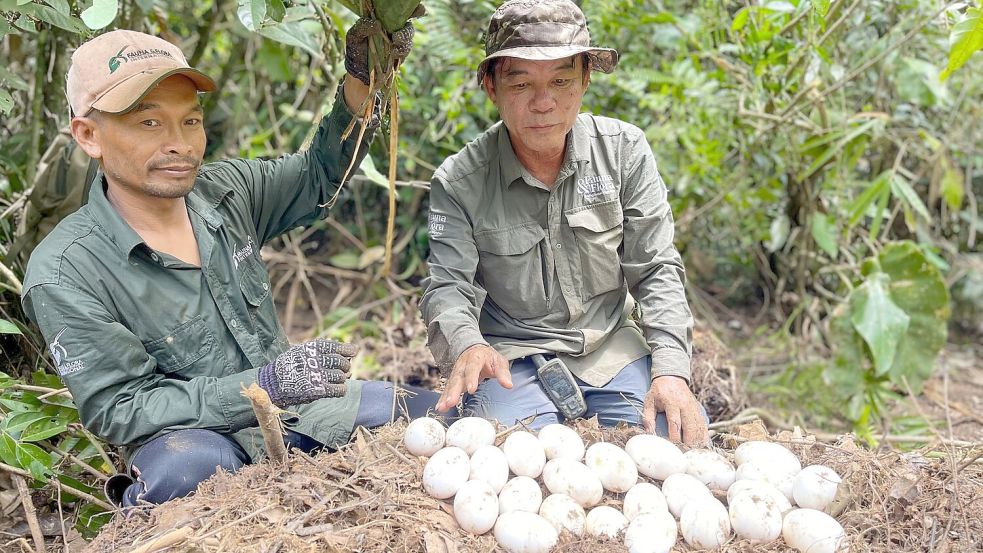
column 115, row 70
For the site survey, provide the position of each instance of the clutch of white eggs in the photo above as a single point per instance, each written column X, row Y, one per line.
column 769, row 495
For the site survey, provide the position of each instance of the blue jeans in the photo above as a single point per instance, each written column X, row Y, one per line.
column 620, row 400
column 172, row 465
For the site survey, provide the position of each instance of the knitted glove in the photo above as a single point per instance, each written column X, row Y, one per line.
column 307, row 372
column 357, row 46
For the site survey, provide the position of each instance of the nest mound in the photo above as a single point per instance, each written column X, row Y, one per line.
column 368, row 497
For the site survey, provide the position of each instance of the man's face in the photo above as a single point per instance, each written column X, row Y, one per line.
column 156, row 148
column 538, row 100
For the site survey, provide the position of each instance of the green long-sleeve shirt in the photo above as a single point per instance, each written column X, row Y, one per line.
column 147, row 343
column 528, row 269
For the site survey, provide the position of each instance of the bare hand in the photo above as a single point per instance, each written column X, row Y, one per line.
column 476, row 364
column 671, row 395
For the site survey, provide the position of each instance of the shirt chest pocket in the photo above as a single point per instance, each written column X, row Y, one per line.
column 511, row 269
column 186, row 350
column 598, row 230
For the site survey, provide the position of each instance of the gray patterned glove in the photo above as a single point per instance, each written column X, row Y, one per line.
column 357, row 45
column 307, row 372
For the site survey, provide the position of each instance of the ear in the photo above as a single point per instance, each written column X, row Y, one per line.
column 85, row 133
column 489, row 85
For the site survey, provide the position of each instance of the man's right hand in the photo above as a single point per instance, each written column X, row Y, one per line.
column 477, row 363
column 307, row 372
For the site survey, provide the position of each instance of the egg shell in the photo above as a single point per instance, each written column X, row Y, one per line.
column 680, row 489
column 779, row 475
column 711, row 468
column 815, row 487
column 470, row 433
column 644, row 498
column 488, row 463
column 613, row 466
column 776, row 454
column 424, row 436
column 575, row 479
column 812, row 531
column 476, row 507
column 756, row 516
column 445, row 472
column 520, row 494
column 564, row 514
column 761, row 488
column 705, row 523
column 655, row 457
column 651, row 533
column 525, row 454
column 522, row 532
column 561, row 442
column 605, row 522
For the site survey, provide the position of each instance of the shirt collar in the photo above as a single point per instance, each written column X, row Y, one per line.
column 578, row 151
column 121, row 233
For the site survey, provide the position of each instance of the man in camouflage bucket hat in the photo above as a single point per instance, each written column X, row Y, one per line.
column 544, row 232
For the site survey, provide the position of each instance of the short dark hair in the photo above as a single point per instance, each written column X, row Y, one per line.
column 493, row 63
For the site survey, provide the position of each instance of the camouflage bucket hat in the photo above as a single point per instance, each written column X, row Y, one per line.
column 542, row 30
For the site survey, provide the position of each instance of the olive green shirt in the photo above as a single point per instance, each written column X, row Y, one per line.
column 147, row 343
column 530, row 269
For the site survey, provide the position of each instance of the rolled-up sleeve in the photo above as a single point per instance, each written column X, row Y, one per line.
column 451, row 301
column 120, row 395
column 653, row 267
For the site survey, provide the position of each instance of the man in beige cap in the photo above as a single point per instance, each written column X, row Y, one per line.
column 544, row 233
column 153, row 297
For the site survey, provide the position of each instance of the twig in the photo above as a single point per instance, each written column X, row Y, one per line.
column 170, row 539
column 18, row 286
column 406, row 459
column 234, row 522
column 63, row 487
column 267, row 415
column 29, row 512
column 47, row 392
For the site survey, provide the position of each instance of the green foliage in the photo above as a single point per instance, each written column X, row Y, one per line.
column 889, row 331
column 967, row 38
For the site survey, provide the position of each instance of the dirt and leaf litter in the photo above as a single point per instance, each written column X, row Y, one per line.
column 368, row 497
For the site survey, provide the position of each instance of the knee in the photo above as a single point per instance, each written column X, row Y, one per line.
column 174, row 464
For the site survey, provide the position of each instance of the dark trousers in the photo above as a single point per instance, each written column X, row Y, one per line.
column 172, row 465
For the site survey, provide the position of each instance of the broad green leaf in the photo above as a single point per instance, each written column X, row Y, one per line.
column 907, row 194
column 100, row 14
column 61, row 6
column 780, row 228
column 276, row 10
column 251, row 13
column 825, row 234
column 345, row 260
column 8, row 449
column 4, row 28
column 966, row 39
column 393, row 14
column 292, row 33
column 821, row 7
column 879, row 210
column 952, row 185
column 741, row 18
column 881, row 323
column 52, row 16
column 6, row 327
column 11, row 79
column 833, row 150
column 16, row 423
column 34, row 460
column 875, row 190
column 43, row 429
column 368, row 168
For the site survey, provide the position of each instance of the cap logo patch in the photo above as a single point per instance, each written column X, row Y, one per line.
column 115, row 60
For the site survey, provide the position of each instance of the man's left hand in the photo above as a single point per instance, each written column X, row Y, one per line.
column 671, row 395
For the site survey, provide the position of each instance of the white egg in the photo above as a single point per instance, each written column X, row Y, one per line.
column 776, row 455
column 575, row 479
column 525, row 454
column 812, row 531
column 613, row 466
column 815, row 487
column 470, row 433
column 759, row 487
column 711, row 468
column 488, row 463
column 756, row 516
column 520, row 494
column 651, row 533
column 521, row 532
column 424, row 436
column 780, row 475
column 705, row 522
column 655, row 457
column 644, row 498
column 564, row 514
column 561, row 442
column 445, row 472
column 476, row 507
column 680, row 488
column 605, row 522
